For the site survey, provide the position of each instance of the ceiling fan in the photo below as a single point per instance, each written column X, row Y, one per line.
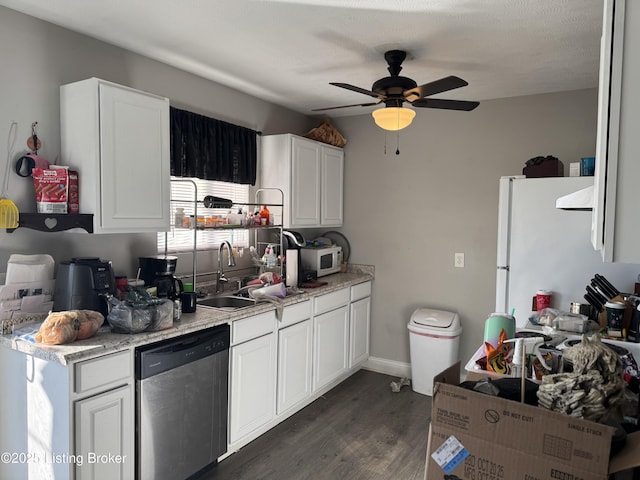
column 395, row 90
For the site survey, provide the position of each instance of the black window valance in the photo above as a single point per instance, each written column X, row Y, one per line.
column 211, row 149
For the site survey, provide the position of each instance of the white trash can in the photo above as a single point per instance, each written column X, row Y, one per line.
column 434, row 339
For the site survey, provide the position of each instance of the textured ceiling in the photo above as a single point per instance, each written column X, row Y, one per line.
column 287, row 51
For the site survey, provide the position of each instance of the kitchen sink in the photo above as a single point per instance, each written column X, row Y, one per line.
column 227, row 302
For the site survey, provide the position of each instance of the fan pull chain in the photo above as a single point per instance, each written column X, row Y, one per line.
column 398, row 143
column 385, row 142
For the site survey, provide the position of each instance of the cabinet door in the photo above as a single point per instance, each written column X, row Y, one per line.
column 305, row 183
column 295, row 345
column 331, row 346
column 104, row 431
column 616, row 194
column 332, row 187
column 359, row 335
column 134, row 160
column 253, row 386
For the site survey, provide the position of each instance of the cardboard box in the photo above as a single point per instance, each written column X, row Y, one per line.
column 474, row 436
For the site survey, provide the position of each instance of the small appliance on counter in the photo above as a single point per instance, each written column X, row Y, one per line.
column 158, row 272
column 84, row 283
column 322, row 260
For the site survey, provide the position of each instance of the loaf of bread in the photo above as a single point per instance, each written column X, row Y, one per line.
column 68, row 326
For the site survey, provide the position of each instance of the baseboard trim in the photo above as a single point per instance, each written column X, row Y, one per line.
column 388, row 367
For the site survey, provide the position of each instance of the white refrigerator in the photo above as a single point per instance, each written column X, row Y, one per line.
column 541, row 247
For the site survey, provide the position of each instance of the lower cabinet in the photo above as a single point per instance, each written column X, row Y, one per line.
column 331, row 346
column 360, row 318
column 360, row 314
column 295, row 344
column 104, row 424
column 252, row 386
column 103, row 435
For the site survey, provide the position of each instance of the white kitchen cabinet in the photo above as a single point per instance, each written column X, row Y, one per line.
column 359, row 321
column 331, row 337
column 63, row 414
column 104, row 416
column 295, row 346
column 331, row 346
column 252, row 395
column 103, row 435
column 617, row 172
column 311, row 176
column 117, row 138
column 331, row 187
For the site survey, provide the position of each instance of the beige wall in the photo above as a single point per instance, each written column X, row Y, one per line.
column 405, row 214
column 408, row 214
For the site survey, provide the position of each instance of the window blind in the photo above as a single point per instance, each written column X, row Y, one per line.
column 183, row 193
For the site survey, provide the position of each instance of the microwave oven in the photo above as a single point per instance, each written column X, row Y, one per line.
column 321, row 260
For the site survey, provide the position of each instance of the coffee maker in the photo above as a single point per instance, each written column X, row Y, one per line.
column 159, row 272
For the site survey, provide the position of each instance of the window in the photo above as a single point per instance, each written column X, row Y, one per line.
column 182, row 196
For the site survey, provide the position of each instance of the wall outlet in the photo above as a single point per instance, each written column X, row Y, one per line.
column 458, row 260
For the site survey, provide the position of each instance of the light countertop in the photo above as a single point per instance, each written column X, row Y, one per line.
column 105, row 342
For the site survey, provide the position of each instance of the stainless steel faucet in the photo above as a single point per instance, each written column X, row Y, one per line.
column 220, row 278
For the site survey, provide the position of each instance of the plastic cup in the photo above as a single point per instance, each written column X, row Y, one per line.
column 494, row 325
column 615, row 315
column 587, row 166
column 543, row 299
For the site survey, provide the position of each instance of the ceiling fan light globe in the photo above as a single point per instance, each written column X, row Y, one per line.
column 393, row 118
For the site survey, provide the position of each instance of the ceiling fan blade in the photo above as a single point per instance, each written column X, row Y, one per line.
column 445, row 104
column 437, row 86
column 358, row 89
column 345, row 106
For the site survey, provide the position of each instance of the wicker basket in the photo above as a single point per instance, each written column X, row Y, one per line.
column 326, row 133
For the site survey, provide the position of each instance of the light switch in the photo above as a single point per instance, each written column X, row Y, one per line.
column 458, row 260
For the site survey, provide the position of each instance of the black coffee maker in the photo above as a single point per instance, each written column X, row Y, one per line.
column 159, row 272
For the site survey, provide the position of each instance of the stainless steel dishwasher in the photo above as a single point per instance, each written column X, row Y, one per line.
column 181, row 404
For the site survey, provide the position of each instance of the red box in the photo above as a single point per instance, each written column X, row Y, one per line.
column 74, row 194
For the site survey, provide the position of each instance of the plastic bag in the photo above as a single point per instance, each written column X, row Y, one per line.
column 140, row 312
column 124, row 318
column 90, row 322
column 59, row 328
column 565, row 321
column 162, row 317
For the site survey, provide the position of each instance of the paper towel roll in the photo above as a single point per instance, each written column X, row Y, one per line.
column 292, row 268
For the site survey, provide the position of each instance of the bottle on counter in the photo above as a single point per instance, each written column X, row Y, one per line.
column 179, row 217
column 264, row 215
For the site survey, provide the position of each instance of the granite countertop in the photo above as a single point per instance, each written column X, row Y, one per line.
column 105, row 342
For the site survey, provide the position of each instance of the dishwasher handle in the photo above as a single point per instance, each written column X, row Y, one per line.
column 159, row 357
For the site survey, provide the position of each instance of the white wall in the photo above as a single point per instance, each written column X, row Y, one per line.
column 38, row 57
column 408, row 214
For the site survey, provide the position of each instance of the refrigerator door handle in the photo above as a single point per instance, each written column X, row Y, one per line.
column 503, row 268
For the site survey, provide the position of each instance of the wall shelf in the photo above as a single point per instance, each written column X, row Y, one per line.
column 54, row 222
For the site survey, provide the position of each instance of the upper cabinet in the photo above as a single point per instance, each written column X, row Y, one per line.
column 118, row 140
column 616, row 194
column 311, row 176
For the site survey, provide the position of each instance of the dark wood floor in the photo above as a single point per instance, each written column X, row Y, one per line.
column 359, row 430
